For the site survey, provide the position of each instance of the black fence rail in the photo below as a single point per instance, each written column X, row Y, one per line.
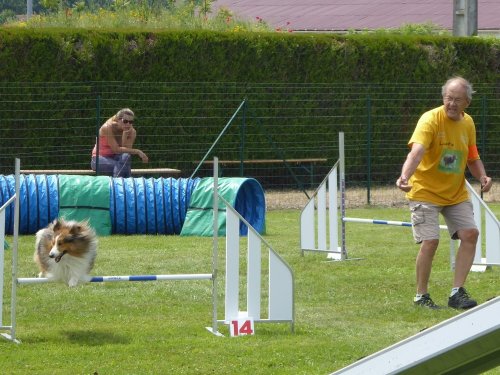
column 54, row 126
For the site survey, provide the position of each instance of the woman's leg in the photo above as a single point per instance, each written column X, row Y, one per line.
column 106, row 165
column 123, row 166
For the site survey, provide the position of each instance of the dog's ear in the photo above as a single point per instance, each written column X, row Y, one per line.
column 76, row 229
column 56, row 225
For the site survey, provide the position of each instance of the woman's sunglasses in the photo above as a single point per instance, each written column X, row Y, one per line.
column 131, row 122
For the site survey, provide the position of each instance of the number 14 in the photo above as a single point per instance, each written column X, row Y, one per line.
column 242, row 327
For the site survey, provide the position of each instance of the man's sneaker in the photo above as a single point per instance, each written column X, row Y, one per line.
column 461, row 300
column 426, row 301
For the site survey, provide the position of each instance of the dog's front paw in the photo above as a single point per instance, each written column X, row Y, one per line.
column 73, row 282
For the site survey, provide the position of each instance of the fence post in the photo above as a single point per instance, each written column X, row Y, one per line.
column 368, row 148
column 484, row 111
column 97, row 126
column 242, row 140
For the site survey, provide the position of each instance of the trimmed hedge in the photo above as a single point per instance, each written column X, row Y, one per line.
column 191, row 56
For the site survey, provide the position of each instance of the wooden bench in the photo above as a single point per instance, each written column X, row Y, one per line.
column 135, row 172
column 270, row 161
column 306, row 164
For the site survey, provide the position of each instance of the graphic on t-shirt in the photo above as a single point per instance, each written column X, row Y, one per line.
column 450, row 161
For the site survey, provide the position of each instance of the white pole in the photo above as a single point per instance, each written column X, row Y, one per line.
column 215, row 245
column 13, row 301
column 343, row 250
column 2, row 254
column 29, row 9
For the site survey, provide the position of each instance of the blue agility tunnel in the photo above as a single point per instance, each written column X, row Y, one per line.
column 150, row 206
column 125, row 205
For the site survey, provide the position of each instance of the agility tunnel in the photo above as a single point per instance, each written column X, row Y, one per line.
column 131, row 205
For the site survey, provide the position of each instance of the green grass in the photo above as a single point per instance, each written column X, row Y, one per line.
column 344, row 310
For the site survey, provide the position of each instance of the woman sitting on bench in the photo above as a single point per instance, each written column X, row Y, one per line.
column 116, row 139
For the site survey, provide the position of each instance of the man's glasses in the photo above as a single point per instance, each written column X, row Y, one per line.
column 125, row 121
column 458, row 101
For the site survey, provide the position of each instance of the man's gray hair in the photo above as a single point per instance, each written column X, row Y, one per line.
column 466, row 84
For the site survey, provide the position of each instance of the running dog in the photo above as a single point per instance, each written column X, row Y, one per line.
column 65, row 251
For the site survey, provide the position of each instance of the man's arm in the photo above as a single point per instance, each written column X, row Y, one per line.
column 476, row 168
column 410, row 165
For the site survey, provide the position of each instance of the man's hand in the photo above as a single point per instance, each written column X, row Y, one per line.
column 486, row 183
column 402, row 183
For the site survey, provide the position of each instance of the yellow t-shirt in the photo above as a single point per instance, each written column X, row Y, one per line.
column 439, row 177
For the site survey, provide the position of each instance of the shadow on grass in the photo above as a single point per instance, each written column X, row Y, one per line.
column 94, row 338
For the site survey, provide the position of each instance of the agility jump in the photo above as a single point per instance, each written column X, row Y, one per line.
column 324, row 236
column 280, row 293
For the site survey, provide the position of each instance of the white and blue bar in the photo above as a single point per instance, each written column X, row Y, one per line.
column 105, row 279
column 383, row 222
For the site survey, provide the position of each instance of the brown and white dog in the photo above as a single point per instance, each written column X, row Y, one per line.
column 66, row 251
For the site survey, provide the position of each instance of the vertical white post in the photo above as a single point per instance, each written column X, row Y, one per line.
column 322, row 218
column 8, row 336
column 343, row 250
column 215, row 244
column 333, row 217
column 254, row 272
column 2, row 270
column 232, row 266
column 14, row 254
column 13, row 298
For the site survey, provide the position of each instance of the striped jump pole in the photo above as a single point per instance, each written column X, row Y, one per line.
column 107, row 279
column 383, row 222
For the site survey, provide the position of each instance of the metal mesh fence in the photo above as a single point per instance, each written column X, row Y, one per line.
column 284, row 135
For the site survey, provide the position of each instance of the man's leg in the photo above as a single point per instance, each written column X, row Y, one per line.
column 465, row 255
column 425, row 222
column 460, row 221
column 424, row 264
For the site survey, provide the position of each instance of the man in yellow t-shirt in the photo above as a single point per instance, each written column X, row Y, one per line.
column 433, row 177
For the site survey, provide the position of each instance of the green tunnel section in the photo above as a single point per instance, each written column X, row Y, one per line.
column 130, row 205
column 245, row 195
column 86, row 198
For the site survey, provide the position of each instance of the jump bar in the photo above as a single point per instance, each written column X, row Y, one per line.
column 384, row 222
column 102, row 279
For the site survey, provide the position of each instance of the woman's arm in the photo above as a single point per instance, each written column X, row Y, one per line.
column 128, row 138
column 107, row 130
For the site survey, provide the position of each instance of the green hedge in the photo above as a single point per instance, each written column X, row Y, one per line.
column 188, row 56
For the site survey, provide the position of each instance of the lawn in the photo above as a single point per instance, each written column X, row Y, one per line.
column 343, row 310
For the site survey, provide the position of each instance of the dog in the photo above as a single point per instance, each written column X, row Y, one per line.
column 66, row 251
